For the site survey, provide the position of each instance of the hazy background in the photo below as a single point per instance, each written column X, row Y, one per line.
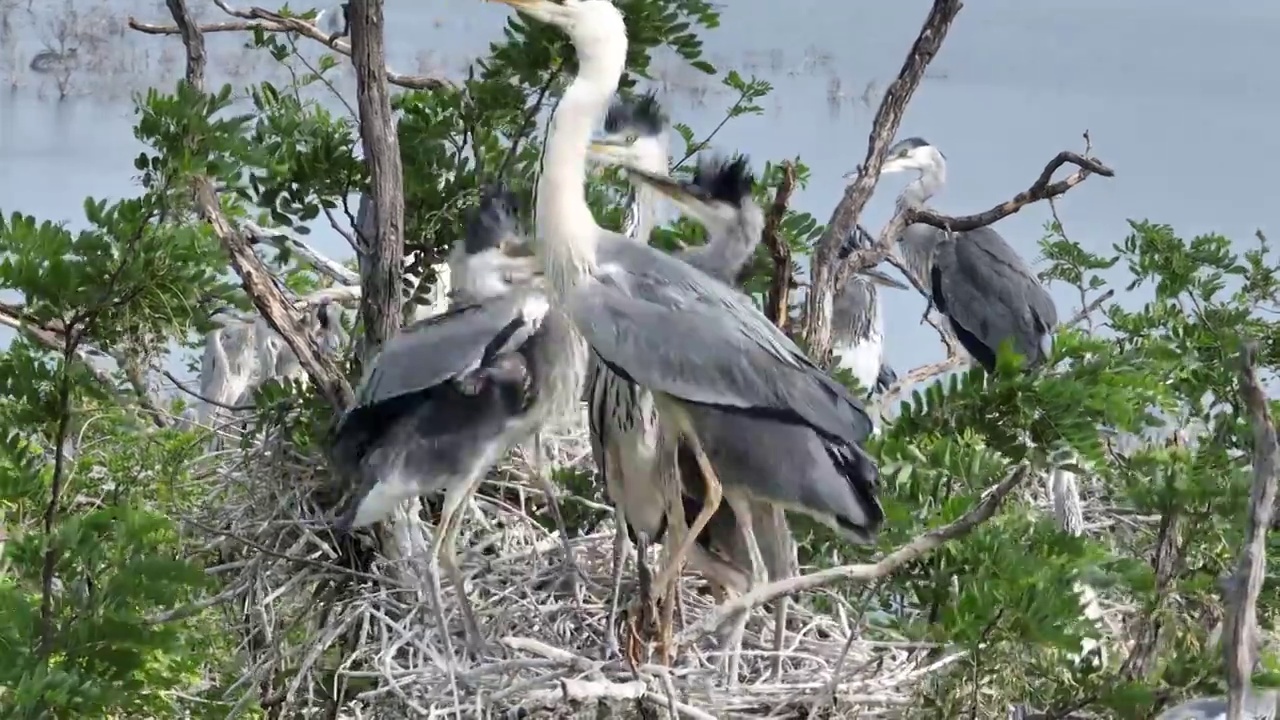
column 1179, row 97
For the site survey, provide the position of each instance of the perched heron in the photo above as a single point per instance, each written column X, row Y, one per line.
column 975, row 278
column 336, row 22
column 857, row 322
column 448, row 396
column 716, row 366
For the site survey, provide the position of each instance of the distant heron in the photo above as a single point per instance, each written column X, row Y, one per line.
column 50, row 61
column 857, row 322
column 715, row 365
column 976, row 280
column 448, row 396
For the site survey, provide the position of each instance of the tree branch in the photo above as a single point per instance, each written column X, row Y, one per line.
column 381, row 240
column 823, row 275
column 286, row 240
column 983, row 511
column 254, row 276
column 256, row 18
column 777, row 305
column 1241, row 620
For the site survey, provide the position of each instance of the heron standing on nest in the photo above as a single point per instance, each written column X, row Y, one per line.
column 696, row 344
column 450, row 395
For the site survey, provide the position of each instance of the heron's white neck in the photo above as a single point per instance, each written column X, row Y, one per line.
column 932, row 177
column 566, row 228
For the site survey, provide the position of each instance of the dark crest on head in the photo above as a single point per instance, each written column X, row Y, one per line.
column 640, row 113
column 859, row 238
column 906, row 145
column 492, row 220
column 724, row 179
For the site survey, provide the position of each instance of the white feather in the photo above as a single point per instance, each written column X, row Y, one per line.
column 863, row 358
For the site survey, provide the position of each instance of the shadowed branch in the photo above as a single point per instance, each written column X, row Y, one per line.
column 777, row 303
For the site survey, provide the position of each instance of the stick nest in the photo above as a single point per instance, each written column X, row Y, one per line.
column 338, row 630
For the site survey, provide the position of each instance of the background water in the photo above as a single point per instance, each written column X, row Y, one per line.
column 1180, row 98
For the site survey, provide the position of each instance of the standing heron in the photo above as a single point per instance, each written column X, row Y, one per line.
column 857, row 322
column 714, row 364
column 976, row 280
column 448, row 396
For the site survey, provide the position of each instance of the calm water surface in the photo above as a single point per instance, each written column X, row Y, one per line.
column 1181, row 98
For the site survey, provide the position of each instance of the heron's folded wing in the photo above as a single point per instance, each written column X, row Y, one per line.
column 696, row 351
column 432, row 351
column 992, row 293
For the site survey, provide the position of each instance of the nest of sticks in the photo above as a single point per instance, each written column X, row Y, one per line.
column 332, row 629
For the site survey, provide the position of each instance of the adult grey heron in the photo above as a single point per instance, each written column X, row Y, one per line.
column 857, row 322
column 626, row 439
column 715, row 365
column 976, row 279
column 448, row 396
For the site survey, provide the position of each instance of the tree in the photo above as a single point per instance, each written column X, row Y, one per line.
column 148, row 576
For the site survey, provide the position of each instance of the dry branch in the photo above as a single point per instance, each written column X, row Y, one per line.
column 1241, row 619
column 777, row 304
column 823, row 276
column 380, row 240
column 917, row 548
column 256, row 18
column 254, row 276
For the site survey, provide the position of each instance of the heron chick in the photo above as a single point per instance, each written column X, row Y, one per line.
column 450, row 395
column 857, row 321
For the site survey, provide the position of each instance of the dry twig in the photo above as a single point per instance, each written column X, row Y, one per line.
column 777, row 307
column 1242, row 593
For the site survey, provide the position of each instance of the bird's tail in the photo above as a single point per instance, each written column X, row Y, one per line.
column 863, row 524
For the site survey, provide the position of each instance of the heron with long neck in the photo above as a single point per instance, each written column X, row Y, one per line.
column 857, row 322
column 704, row 351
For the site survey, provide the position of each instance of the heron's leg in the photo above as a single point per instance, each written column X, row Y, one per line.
column 742, row 513
column 621, row 546
column 709, row 506
column 548, row 488
column 447, row 553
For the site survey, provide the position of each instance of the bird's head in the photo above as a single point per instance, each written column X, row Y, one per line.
column 861, row 239
column 635, row 135
column 719, row 193
column 590, row 24
column 913, row 153
column 494, row 225
column 494, row 254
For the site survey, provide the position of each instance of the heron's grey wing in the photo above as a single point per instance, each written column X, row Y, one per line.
column 763, row 454
column 673, row 329
column 988, row 290
column 916, row 246
column 437, row 349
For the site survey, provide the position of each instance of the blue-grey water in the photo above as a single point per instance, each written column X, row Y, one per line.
column 1180, row 98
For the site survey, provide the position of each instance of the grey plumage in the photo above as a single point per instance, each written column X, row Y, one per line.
column 975, row 279
column 448, row 396
column 1259, row 704
column 857, row 321
column 636, row 116
column 722, row 188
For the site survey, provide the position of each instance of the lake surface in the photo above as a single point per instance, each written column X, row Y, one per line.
column 1180, row 98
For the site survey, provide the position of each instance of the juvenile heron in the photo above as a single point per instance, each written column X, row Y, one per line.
column 857, row 322
column 976, row 279
column 448, row 396
column 714, row 364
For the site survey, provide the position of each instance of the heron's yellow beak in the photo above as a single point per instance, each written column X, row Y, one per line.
column 605, row 152
column 882, row 279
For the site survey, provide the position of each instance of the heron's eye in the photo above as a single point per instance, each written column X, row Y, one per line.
column 632, row 138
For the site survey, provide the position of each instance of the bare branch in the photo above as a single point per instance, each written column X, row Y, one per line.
column 381, row 239
column 256, row 18
column 777, row 305
column 823, row 285
column 1042, row 189
column 917, row 548
column 1241, row 618
column 286, row 240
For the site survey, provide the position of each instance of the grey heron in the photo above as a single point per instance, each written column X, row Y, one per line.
column 448, row 396
column 857, row 322
column 715, row 365
column 976, row 280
